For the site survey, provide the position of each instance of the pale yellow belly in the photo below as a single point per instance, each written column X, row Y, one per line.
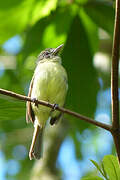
column 50, row 84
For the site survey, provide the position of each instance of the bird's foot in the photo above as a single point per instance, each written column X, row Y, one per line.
column 55, row 106
column 35, row 101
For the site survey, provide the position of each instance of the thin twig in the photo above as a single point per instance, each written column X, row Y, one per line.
column 114, row 80
column 67, row 111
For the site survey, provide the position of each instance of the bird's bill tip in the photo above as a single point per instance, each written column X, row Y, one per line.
column 57, row 50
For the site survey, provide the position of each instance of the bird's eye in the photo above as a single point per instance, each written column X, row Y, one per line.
column 47, row 53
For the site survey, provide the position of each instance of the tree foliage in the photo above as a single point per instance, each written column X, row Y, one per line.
column 43, row 24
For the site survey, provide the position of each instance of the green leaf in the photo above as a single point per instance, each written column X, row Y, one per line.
column 91, row 30
column 92, row 178
column 14, row 16
column 17, row 14
column 83, row 86
column 48, row 31
column 97, row 166
column 42, row 9
column 5, row 5
column 111, row 167
column 12, row 114
column 102, row 13
column 104, row 172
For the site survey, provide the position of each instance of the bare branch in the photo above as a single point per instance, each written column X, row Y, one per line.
column 115, row 66
column 44, row 103
column 114, row 80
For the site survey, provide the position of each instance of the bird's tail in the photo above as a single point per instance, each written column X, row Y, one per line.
column 36, row 146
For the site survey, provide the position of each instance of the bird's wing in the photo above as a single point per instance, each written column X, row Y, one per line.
column 55, row 119
column 30, row 116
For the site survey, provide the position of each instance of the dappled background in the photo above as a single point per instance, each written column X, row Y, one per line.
column 26, row 28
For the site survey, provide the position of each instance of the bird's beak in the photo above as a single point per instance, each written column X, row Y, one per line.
column 57, row 50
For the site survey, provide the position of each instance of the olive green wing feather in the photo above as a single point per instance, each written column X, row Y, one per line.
column 30, row 116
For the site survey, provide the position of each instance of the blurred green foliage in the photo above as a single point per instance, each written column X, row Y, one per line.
column 42, row 24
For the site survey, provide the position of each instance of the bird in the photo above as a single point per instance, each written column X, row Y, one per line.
column 49, row 83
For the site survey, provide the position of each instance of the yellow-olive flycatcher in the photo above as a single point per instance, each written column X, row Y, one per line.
column 49, row 83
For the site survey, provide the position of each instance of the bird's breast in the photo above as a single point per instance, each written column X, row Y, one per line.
column 50, row 83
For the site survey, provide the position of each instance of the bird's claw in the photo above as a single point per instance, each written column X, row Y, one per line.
column 55, row 106
column 35, row 101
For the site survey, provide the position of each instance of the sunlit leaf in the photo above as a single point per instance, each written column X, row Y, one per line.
column 92, row 178
column 13, row 17
column 48, row 31
column 112, row 167
column 42, row 9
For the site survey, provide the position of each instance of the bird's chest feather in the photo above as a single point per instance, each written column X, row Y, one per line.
column 50, row 83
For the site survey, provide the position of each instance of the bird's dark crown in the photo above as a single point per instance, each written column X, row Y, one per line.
column 49, row 53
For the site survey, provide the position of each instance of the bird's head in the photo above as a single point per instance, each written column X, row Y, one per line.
column 49, row 53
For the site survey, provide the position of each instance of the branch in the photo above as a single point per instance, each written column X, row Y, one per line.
column 115, row 67
column 61, row 109
column 114, row 80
